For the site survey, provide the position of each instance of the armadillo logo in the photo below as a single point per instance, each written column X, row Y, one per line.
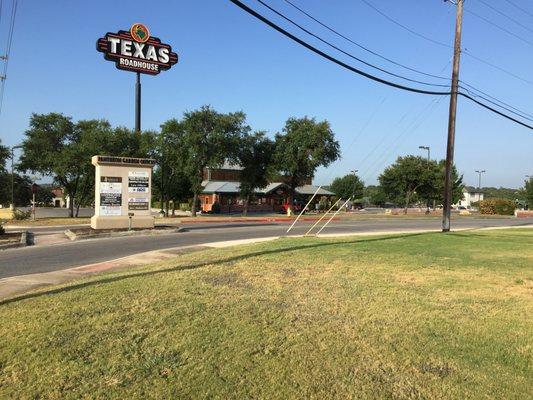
column 140, row 33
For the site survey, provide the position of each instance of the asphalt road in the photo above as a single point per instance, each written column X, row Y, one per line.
column 35, row 259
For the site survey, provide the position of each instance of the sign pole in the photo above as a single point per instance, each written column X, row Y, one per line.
column 138, row 103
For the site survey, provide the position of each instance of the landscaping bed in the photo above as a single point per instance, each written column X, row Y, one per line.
column 412, row 316
column 90, row 233
column 11, row 240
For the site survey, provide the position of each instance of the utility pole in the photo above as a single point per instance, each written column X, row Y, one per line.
column 479, row 181
column 354, row 172
column 448, row 181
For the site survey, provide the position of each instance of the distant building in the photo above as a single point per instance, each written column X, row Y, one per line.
column 60, row 200
column 221, row 185
column 470, row 195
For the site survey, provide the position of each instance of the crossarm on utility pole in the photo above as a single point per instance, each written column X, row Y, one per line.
column 333, row 216
column 322, row 217
column 305, row 208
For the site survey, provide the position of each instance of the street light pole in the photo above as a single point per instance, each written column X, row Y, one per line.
column 479, row 181
column 13, row 175
column 354, row 172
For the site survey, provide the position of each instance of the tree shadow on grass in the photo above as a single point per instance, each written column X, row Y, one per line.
column 204, row 264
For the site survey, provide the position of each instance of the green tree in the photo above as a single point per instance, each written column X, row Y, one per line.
column 347, row 186
column 4, row 156
column 254, row 155
column 209, row 138
column 57, row 147
column 401, row 180
column 432, row 188
column 528, row 189
column 304, row 146
column 375, row 195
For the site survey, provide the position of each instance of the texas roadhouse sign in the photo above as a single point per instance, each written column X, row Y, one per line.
column 137, row 51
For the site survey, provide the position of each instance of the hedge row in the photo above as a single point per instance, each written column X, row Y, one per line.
column 497, row 207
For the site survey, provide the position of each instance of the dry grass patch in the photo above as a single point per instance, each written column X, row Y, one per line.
column 405, row 317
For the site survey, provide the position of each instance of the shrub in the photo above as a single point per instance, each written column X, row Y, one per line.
column 19, row 215
column 497, row 207
column 2, row 230
column 215, row 208
column 185, row 207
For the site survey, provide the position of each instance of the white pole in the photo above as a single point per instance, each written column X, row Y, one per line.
column 333, row 216
column 322, row 217
column 305, row 208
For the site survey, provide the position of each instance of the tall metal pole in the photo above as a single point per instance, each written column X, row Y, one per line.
column 138, row 103
column 12, row 178
column 479, row 179
column 448, row 181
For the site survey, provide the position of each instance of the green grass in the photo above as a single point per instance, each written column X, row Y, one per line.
column 420, row 316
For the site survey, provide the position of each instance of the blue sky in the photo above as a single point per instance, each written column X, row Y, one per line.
column 232, row 61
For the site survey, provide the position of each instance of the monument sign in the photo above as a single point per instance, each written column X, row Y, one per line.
column 122, row 192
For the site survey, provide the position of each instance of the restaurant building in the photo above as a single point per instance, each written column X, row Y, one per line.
column 221, row 185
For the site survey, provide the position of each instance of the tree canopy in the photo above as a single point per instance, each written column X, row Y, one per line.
column 414, row 178
column 57, row 147
column 304, row 146
column 254, row 155
column 347, row 186
column 209, row 138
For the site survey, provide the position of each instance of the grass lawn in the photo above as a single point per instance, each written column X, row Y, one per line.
column 420, row 316
column 50, row 221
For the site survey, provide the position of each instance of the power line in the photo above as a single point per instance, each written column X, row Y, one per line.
column 520, row 8
column 331, row 58
column 499, row 103
column 361, row 46
column 345, row 52
column 497, row 26
column 520, row 113
column 465, row 51
column 362, row 73
column 8, row 51
column 505, row 15
column 405, row 27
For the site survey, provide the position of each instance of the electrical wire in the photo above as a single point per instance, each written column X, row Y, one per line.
column 520, row 113
column 365, row 74
column 361, row 46
column 331, row 58
column 470, row 89
column 405, row 27
column 520, row 8
column 505, row 15
column 345, row 52
column 8, row 51
column 486, row 20
column 465, row 51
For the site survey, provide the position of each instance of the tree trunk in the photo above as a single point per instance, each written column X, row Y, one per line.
column 166, row 207
column 173, row 207
column 407, row 197
column 245, row 207
column 71, row 206
column 193, row 207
